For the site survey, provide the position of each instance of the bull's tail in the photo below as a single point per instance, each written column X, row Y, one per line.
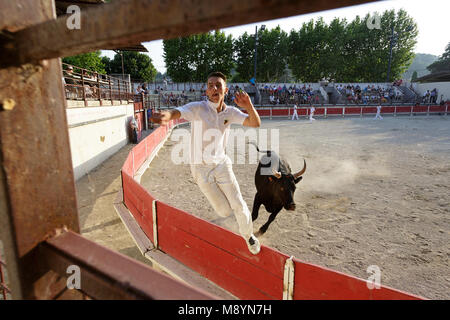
column 254, row 143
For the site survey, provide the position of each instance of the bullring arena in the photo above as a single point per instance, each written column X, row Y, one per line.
column 80, row 204
column 374, row 193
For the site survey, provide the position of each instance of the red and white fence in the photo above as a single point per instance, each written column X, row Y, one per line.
column 352, row 110
column 222, row 256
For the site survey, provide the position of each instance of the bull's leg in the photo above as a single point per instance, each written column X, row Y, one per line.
column 256, row 204
column 264, row 227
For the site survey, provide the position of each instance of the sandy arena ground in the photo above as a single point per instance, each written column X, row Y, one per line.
column 376, row 192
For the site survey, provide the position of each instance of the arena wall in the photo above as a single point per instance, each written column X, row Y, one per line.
column 96, row 133
column 442, row 87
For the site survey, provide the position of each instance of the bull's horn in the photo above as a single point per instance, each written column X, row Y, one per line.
column 298, row 174
column 277, row 174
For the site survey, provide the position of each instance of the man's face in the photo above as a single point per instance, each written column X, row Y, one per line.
column 216, row 89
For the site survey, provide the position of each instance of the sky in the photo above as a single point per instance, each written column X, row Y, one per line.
column 431, row 17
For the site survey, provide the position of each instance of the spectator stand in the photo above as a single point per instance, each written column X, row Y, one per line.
column 85, row 87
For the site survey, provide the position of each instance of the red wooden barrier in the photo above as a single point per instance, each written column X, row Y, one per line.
column 419, row 109
column 313, row 282
column 264, row 112
column 139, row 155
column 319, row 111
column 223, row 257
column 334, row 111
column 139, row 203
column 302, row 112
column 437, row 108
column 280, row 112
column 373, row 110
column 403, row 109
column 352, row 110
column 387, row 110
column 220, row 255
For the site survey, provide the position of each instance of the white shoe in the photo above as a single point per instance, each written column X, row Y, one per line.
column 253, row 244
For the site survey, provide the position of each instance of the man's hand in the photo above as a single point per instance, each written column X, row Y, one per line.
column 161, row 118
column 242, row 99
column 164, row 117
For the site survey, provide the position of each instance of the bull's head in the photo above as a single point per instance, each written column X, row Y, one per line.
column 286, row 185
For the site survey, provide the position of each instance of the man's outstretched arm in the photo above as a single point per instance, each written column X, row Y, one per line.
column 164, row 117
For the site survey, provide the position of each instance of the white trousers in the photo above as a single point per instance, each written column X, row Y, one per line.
column 378, row 116
column 219, row 185
column 295, row 115
column 311, row 119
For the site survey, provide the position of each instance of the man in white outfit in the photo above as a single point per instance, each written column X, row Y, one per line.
column 211, row 168
column 378, row 115
column 311, row 114
column 295, row 113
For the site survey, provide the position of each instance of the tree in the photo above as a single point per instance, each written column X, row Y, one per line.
column 414, row 76
column 91, row 61
column 351, row 52
column 272, row 55
column 443, row 63
column 193, row 58
column 138, row 65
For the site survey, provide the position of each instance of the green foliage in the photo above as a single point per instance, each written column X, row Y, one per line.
column 91, row 61
column 341, row 51
column 193, row 58
column 443, row 63
column 138, row 65
column 414, row 76
column 351, row 52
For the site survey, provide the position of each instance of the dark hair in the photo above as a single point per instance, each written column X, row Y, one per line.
column 217, row 74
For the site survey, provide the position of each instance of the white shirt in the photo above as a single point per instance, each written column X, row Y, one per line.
column 209, row 130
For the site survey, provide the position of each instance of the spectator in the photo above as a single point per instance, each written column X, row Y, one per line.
column 144, row 89
column 134, row 123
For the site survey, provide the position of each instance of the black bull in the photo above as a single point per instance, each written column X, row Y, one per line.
column 275, row 186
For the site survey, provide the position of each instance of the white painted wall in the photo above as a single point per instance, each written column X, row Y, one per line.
column 442, row 87
column 95, row 134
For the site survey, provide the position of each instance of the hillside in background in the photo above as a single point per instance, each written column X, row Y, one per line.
column 420, row 64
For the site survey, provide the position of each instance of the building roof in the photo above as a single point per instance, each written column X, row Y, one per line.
column 442, row 76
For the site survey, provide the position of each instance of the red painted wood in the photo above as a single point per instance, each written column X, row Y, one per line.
column 437, row 108
column 366, row 110
column 264, row 112
column 128, row 165
column 190, row 239
column 280, row 112
column 139, row 155
column 403, row 109
column 319, row 111
column 302, row 112
column 318, row 283
column 387, row 109
column 420, row 109
column 352, row 110
column 334, row 111
column 139, row 202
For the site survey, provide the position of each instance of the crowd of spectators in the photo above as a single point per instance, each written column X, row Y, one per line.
column 369, row 94
column 290, row 95
column 74, row 81
column 430, row 96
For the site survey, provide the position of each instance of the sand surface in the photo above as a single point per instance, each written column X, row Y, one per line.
column 376, row 192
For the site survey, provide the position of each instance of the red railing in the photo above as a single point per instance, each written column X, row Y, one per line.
column 222, row 256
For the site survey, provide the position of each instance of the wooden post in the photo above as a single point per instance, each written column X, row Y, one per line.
column 37, row 187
